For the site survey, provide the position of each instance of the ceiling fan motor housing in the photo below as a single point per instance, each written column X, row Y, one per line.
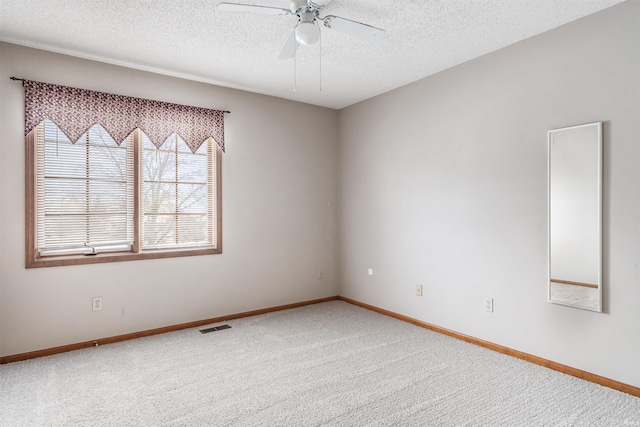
column 298, row 4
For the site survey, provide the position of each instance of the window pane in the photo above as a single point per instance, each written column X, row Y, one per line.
column 159, row 165
column 64, row 196
column 193, row 229
column 177, row 195
column 192, row 168
column 192, row 198
column 65, row 230
column 84, row 190
column 65, row 159
column 159, row 197
column 105, row 196
column 159, row 230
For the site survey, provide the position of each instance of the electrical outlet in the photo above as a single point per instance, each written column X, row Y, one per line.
column 370, row 271
column 320, row 273
column 488, row 305
column 97, row 303
column 418, row 290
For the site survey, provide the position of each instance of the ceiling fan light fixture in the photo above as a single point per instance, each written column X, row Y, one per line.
column 307, row 33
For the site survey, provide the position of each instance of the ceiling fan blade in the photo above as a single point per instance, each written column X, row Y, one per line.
column 290, row 46
column 263, row 10
column 319, row 4
column 353, row 28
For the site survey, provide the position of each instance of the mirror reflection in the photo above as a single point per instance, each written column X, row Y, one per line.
column 575, row 177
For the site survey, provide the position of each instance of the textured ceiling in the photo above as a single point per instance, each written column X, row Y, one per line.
column 192, row 39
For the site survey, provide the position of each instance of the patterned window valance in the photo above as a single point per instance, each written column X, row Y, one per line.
column 75, row 110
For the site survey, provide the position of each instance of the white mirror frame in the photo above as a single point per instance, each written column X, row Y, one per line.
column 563, row 290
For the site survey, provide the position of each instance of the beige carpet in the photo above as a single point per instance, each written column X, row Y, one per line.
column 578, row 296
column 330, row 364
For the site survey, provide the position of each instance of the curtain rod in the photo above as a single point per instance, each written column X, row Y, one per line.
column 24, row 80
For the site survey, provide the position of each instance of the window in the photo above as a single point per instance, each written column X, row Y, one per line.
column 84, row 192
column 177, row 195
column 98, row 201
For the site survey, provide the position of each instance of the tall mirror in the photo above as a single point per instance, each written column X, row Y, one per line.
column 575, row 216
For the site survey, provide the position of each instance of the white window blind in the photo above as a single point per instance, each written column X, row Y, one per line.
column 177, row 195
column 84, row 192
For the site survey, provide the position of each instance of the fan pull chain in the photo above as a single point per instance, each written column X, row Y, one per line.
column 295, row 83
column 320, row 54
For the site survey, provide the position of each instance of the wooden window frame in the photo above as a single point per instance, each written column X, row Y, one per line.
column 33, row 258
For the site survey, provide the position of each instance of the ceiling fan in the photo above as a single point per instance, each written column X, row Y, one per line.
column 307, row 30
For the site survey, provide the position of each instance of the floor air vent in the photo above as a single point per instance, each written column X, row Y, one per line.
column 215, row 328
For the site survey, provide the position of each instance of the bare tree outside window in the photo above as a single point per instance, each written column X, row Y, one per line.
column 176, row 202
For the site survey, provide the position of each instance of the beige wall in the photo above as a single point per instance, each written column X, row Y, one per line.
column 444, row 183
column 279, row 216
